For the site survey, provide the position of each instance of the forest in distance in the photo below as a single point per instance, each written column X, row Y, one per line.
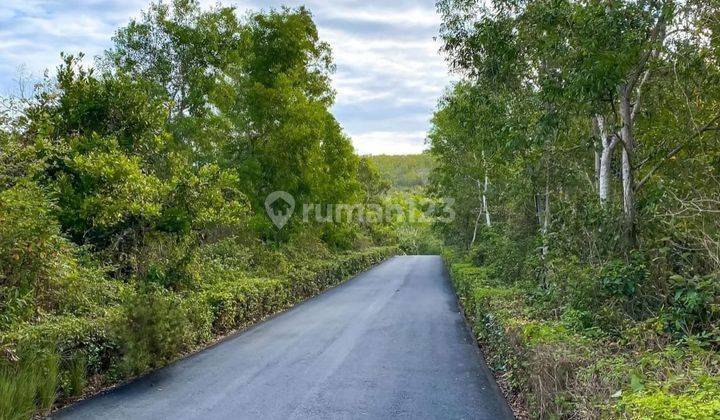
column 578, row 145
column 404, row 171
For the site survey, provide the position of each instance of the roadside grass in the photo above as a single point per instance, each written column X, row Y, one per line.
column 28, row 386
column 556, row 369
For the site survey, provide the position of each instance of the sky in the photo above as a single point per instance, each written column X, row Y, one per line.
column 389, row 72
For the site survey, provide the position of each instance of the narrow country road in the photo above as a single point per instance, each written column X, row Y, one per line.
column 389, row 343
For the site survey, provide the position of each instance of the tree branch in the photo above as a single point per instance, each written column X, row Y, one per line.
column 638, row 98
column 657, row 33
column 675, row 151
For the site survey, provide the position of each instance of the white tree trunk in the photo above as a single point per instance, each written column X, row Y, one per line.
column 628, row 192
column 608, row 143
column 484, row 199
column 475, row 229
column 628, row 181
column 604, row 181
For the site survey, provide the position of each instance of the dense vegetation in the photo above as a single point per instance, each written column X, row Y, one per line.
column 402, row 182
column 132, row 198
column 581, row 146
column 404, row 171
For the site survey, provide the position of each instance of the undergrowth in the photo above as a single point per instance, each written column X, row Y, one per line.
column 560, row 364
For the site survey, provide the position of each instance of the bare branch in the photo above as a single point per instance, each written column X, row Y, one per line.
column 676, row 150
column 638, row 97
column 687, row 99
column 657, row 34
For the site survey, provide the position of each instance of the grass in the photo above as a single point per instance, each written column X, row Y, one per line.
column 28, row 386
column 555, row 369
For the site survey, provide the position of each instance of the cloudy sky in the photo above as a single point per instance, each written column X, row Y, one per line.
column 389, row 73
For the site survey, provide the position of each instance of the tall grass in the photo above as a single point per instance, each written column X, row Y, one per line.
column 77, row 376
column 28, row 386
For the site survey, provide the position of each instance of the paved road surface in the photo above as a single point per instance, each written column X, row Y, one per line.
column 390, row 343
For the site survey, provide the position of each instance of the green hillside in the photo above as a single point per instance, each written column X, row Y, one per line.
column 404, row 171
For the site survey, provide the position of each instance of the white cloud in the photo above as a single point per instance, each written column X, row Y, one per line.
column 416, row 16
column 389, row 142
column 33, row 33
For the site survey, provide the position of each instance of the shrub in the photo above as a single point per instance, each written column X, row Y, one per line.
column 696, row 306
column 227, row 302
column 33, row 255
column 158, row 325
column 502, row 256
column 418, row 239
column 621, row 278
column 105, row 191
column 167, row 260
column 574, row 285
column 565, row 367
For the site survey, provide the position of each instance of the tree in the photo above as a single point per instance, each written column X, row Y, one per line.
column 591, row 60
column 185, row 53
column 251, row 95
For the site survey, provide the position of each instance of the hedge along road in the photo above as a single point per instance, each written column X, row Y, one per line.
column 389, row 343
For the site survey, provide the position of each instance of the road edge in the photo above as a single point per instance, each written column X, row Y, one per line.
column 214, row 342
column 514, row 407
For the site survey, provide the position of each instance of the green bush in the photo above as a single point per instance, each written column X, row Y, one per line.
column 695, row 306
column 158, row 325
column 418, row 239
column 502, row 256
column 33, row 255
column 565, row 367
column 621, row 278
column 700, row 401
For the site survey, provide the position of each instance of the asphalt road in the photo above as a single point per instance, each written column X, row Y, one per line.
column 389, row 343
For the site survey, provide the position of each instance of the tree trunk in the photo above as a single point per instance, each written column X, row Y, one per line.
column 628, row 196
column 604, row 182
column 475, row 229
column 485, row 205
column 608, row 142
column 485, row 191
column 628, row 180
